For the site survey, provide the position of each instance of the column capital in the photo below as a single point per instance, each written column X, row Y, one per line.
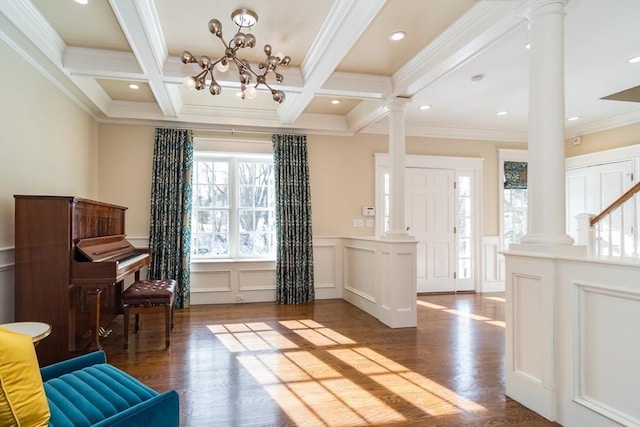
column 537, row 8
column 397, row 103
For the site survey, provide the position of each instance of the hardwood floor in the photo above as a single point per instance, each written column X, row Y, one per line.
column 329, row 363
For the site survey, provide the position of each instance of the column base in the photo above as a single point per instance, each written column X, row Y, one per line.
column 545, row 249
column 397, row 235
column 548, row 239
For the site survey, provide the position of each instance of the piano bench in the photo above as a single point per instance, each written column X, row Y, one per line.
column 149, row 296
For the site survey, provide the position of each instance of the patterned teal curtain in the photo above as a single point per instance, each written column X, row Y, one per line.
column 515, row 175
column 170, row 233
column 294, row 266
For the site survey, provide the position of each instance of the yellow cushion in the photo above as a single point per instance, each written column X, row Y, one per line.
column 22, row 399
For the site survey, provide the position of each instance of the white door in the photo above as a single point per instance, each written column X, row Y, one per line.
column 431, row 219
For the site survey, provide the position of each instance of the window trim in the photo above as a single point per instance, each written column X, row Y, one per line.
column 233, row 159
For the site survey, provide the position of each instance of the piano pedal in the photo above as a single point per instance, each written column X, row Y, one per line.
column 103, row 333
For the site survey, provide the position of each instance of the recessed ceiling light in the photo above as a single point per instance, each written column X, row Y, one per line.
column 502, row 113
column 398, row 35
column 528, row 45
column 634, row 60
column 134, row 86
column 425, row 107
column 82, row 1
column 573, row 119
column 335, row 101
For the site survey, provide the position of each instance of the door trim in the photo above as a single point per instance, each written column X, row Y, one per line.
column 461, row 165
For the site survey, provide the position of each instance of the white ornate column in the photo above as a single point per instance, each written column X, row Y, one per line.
column 397, row 192
column 546, row 168
column 532, row 268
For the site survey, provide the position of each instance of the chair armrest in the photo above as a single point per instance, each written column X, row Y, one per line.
column 66, row 366
column 161, row 410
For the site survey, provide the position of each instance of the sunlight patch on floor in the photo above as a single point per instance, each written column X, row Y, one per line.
column 463, row 313
column 306, row 383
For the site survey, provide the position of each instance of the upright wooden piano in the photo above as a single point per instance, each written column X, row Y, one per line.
column 71, row 259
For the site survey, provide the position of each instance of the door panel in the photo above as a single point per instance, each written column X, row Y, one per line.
column 431, row 216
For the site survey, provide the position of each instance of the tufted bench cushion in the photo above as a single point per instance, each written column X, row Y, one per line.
column 149, row 292
column 149, row 296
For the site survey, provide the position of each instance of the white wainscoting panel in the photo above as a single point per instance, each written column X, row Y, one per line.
column 380, row 278
column 7, row 290
column 493, row 265
column 572, row 340
column 608, row 346
column 360, row 271
column 222, row 282
column 527, row 312
column 327, row 267
column 256, row 279
column 529, row 332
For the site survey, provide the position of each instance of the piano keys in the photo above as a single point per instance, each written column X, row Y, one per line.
column 71, row 258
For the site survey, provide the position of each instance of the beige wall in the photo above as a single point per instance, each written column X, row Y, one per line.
column 605, row 140
column 342, row 177
column 341, row 168
column 125, row 159
column 48, row 144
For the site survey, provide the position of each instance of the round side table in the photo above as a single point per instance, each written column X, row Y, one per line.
column 37, row 330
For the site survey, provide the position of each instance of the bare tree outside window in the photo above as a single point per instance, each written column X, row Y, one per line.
column 234, row 208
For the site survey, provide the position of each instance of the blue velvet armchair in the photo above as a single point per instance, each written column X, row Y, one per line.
column 87, row 391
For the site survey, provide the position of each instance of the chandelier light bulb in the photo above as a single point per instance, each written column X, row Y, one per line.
column 223, row 66
column 189, row 83
column 250, row 92
column 244, row 19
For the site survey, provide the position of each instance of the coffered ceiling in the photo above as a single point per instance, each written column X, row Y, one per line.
column 340, row 50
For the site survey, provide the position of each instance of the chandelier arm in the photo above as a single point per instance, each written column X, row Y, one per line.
column 241, row 65
column 244, row 20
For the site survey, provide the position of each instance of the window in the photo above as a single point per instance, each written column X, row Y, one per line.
column 514, row 201
column 233, row 213
column 464, row 231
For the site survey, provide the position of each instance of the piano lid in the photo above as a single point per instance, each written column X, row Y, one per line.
column 103, row 248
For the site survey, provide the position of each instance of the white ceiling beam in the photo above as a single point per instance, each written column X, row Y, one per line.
column 102, row 63
column 355, row 85
column 466, row 38
column 141, row 27
column 366, row 113
column 344, row 24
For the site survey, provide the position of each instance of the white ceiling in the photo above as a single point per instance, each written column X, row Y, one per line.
column 340, row 50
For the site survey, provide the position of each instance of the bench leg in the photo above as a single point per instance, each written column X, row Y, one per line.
column 126, row 327
column 167, row 324
column 137, row 323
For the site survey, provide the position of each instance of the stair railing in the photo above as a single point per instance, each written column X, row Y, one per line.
column 606, row 237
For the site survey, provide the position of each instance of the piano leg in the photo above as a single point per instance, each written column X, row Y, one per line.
column 94, row 307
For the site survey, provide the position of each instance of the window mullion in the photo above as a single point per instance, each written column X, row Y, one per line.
column 233, row 208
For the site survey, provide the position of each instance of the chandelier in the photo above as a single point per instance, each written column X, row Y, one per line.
column 244, row 19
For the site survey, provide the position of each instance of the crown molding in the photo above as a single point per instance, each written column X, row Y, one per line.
column 27, row 19
column 454, row 133
column 620, row 120
column 24, row 29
